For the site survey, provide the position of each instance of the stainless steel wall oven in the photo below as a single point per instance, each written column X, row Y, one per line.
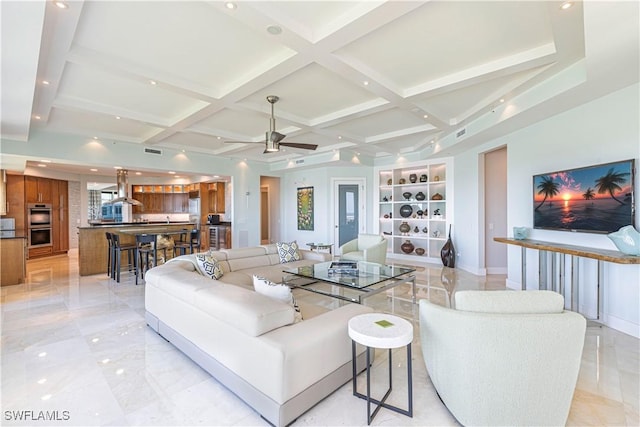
column 39, row 224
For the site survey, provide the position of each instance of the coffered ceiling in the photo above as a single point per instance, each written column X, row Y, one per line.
column 378, row 77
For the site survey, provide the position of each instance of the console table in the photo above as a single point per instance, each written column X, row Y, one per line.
column 575, row 252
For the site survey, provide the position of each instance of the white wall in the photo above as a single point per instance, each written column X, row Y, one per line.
column 600, row 131
column 320, row 180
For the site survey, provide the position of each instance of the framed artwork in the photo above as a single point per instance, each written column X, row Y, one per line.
column 305, row 208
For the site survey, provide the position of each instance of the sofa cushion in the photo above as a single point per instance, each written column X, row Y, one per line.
column 288, row 251
column 277, row 291
column 250, row 312
column 513, row 302
column 208, row 266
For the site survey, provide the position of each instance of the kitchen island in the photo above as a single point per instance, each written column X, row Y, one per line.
column 92, row 243
column 13, row 255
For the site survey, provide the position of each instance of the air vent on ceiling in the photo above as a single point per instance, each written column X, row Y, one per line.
column 461, row 132
column 299, row 162
column 153, row 151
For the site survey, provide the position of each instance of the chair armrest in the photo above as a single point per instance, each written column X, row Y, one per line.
column 350, row 246
column 377, row 253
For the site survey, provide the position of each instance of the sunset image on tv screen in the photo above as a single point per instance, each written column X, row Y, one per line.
column 594, row 199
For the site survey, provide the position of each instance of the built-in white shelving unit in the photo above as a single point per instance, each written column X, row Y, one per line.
column 416, row 196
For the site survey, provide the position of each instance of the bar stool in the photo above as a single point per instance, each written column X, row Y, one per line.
column 109, row 253
column 145, row 247
column 118, row 248
column 191, row 244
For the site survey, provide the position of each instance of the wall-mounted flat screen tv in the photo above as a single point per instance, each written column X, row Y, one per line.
column 593, row 199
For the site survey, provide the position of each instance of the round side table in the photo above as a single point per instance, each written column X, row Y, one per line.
column 381, row 330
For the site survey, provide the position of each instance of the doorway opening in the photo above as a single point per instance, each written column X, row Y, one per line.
column 349, row 209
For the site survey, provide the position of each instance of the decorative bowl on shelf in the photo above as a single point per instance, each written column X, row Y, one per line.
column 627, row 240
column 406, row 195
column 437, row 196
column 406, row 211
column 413, row 178
column 402, row 181
column 420, row 251
column 520, row 233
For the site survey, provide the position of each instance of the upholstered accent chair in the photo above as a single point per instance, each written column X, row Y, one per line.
column 367, row 247
column 503, row 357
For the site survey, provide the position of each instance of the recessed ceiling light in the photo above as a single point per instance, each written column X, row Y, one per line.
column 172, row 173
column 42, row 165
column 45, row 82
column 426, row 116
column 138, row 173
column 37, row 117
column 117, row 167
column 501, row 100
column 118, row 117
column 45, row 161
column 566, row 5
column 230, row 5
column 93, row 170
column 274, row 30
column 153, row 82
column 219, row 137
column 61, row 5
column 366, row 83
column 339, row 136
column 184, row 151
column 431, row 142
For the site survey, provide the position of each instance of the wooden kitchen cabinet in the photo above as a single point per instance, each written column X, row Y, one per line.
column 38, row 190
column 60, row 214
column 15, row 200
column 216, row 203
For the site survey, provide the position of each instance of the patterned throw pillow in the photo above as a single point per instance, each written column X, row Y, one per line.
column 277, row 291
column 288, row 252
column 209, row 266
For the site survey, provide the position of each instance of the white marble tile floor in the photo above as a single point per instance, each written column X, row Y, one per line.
column 79, row 348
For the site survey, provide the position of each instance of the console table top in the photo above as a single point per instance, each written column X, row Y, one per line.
column 582, row 251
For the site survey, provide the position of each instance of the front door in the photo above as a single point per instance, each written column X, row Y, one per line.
column 349, row 203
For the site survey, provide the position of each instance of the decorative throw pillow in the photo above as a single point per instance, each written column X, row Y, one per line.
column 208, row 266
column 288, row 252
column 277, row 291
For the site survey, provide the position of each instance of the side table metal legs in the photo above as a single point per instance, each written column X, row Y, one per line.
column 381, row 403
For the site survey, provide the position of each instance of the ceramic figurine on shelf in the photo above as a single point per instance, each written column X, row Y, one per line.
column 389, row 181
column 413, row 178
column 402, row 181
column 436, row 212
column 425, row 230
column 416, row 230
column 423, row 178
column 385, row 199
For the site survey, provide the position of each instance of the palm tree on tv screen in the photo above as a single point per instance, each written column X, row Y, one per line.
column 548, row 188
column 610, row 183
column 589, row 194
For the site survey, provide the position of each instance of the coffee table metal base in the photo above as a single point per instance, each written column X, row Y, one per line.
column 381, row 403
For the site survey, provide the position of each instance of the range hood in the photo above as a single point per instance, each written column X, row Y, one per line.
column 122, row 183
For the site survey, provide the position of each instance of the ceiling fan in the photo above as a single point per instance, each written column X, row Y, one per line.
column 273, row 138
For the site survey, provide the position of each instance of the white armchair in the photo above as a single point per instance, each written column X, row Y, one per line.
column 503, row 357
column 367, row 247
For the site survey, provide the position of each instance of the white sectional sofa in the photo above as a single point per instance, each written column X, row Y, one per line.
column 248, row 341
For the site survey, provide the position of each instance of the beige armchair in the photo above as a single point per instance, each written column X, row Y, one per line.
column 367, row 247
column 503, row 358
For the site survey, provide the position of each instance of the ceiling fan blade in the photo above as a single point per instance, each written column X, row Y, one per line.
column 299, row 145
column 277, row 136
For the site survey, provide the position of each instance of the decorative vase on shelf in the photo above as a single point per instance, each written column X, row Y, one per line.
column 406, row 195
column 406, row 211
column 420, row 251
column 404, row 227
column 425, row 230
column 420, row 196
column 436, row 178
column 389, row 181
column 437, row 196
column 413, row 178
column 423, row 178
column 407, row 247
column 402, row 181
column 416, row 230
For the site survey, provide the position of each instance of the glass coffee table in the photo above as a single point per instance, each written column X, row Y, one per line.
column 370, row 279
